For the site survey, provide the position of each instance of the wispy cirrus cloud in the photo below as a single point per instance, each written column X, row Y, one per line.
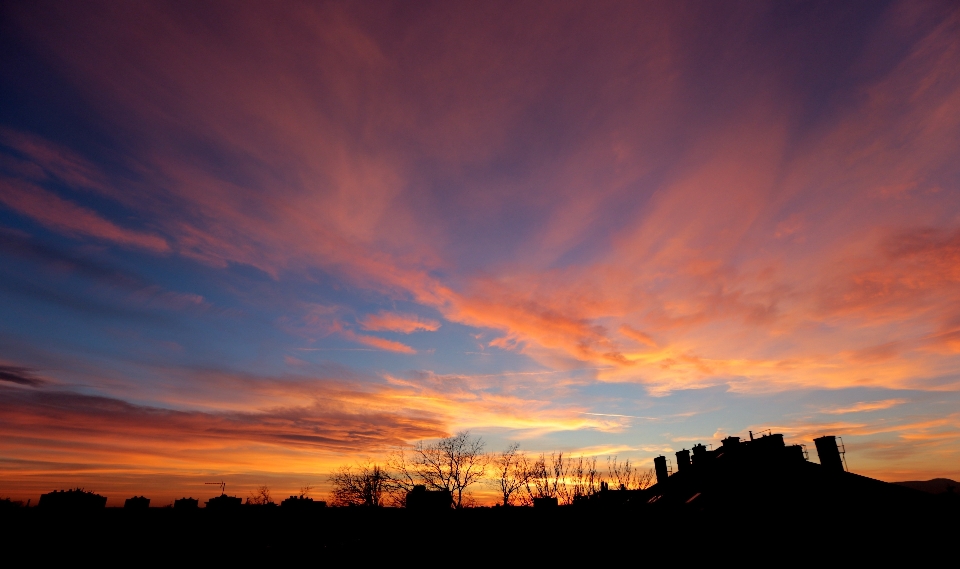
column 20, row 376
column 379, row 343
column 398, row 322
column 318, row 321
column 864, row 406
column 62, row 215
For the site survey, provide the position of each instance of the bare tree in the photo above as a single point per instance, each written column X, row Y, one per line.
column 547, row 478
column 560, row 489
column 584, row 476
column 363, row 485
column 620, row 473
column 538, row 479
column 512, row 470
column 624, row 476
column 453, row 464
column 305, row 491
column 401, row 477
column 260, row 496
column 643, row 479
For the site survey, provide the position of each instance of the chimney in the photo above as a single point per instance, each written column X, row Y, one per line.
column 683, row 459
column 700, row 454
column 829, row 453
column 730, row 443
column 660, row 466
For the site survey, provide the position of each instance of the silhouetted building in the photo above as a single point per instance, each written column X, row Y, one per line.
column 224, row 502
column 429, row 500
column 700, row 454
column 266, row 505
column 764, row 475
column 547, row 502
column 186, row 504
column 7, row 504
column 76, row 499
column 302, row 503
column 136, row 503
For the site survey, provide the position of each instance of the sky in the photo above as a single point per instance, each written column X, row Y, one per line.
column 252, row 242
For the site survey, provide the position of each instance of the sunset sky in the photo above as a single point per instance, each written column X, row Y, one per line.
column 253, row 241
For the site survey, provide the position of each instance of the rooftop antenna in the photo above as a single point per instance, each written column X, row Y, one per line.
column 221, row 484
column 843, row 453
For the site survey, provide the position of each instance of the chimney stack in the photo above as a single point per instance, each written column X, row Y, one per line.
column 683, row 459
column 700, row 454
column 829, row 453
column 660, row 466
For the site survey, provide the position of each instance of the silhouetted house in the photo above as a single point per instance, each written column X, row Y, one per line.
column 421, row 499
column 547, row 502
column 136, row 503
column 186, row 504
column 764, row 474
column 611, row 498
column 224, row 502
column 298, row 503
column 76, row 499
column 7, row 504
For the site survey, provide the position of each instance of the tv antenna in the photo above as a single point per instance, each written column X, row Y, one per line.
column 221, row 484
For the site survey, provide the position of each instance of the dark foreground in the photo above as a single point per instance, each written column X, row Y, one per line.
column 504, row 536
column 756, row 502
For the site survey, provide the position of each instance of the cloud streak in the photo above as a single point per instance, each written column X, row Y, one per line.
column 19, row 376
column 62, row 215
column 398, row 322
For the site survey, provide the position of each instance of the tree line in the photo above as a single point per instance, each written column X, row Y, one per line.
column 459, row 462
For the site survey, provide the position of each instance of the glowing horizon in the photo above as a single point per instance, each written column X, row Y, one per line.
column 258, row 242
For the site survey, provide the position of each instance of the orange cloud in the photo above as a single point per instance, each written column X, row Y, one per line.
column 865, row 406
column 379, row 343
column 637, row 335
column 165, row 450
column 288, row 431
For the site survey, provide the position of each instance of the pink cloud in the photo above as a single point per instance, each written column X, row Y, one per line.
column 45, row 159
column 61, row 215
column 321, row 320
column 379, row 343
column 398, row 322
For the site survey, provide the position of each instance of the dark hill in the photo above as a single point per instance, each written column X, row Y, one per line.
column 935, row 486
